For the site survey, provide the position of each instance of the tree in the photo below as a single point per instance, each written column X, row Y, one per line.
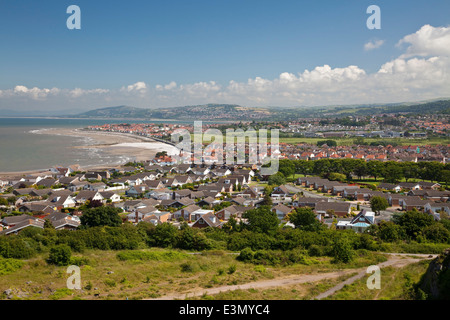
column 261, row 220
column 391, row 232
column 342, row 250
column 305, row 219
column 330, row 143
column 286, row 167
column 101, row 216
column 375, row 169
column 378, row 203
column 333, row 176
column 60, row 255
column 414, row 222
column 393, row 172
column 276, row 179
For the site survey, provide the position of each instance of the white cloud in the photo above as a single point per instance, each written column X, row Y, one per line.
column 371, row 45
column 140, row 87
column 428, row 41
column 421, row 72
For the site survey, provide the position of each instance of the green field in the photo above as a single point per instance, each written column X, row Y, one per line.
column 151, row 273
column 349, row 141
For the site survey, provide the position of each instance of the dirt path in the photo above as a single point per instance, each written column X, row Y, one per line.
column 394, row 261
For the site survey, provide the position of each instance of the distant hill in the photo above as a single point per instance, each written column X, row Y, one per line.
column 233, row 112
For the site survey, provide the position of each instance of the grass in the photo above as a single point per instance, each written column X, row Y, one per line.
column 346, row 141
column 303, row 291
column 396, row 284
column 151, row 273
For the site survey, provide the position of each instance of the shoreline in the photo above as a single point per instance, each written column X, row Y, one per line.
column 129, row 146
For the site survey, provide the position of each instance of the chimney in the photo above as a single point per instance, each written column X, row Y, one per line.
column 137, row 217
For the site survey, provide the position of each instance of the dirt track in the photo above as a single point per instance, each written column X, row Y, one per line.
column 395, row 260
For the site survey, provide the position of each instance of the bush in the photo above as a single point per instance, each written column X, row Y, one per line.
column 8, row 266
column 60, row 255
column 232, row 269
column 187, row 267
column 151, row 255
column 342, row 250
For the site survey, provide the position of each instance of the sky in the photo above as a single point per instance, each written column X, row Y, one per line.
column 152, row 54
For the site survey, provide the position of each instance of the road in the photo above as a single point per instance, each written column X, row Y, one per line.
column 395, row 260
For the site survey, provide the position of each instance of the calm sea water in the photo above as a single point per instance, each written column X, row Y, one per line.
column 21, row 148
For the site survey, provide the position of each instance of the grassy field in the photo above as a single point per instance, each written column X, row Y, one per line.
column 349, row 141
column 152, row 273
column 396, row 284
column 343, row 141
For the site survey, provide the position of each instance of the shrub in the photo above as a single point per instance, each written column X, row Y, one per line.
column 187, row 267
column 60, row 255
column 152, row 255
column 8, row 266
column 232, row 269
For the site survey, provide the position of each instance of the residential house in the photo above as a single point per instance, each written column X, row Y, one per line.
column 207, row 220
column 363, row 220
column 339, row 209
column 281, row 211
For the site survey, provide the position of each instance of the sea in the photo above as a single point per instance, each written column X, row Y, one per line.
column 24, row 146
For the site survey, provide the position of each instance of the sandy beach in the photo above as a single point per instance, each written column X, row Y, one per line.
column 130, row 146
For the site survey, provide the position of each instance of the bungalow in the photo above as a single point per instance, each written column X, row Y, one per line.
column 283, row 193
column 395, row 200
column 207, row 220
column 86, row 195
column 410, row 203
column 389, row 187
column 181, row 180
column 183, row 193
column 157, row 217
column 110, row 196
column 154, row 184
column 220, row 172
column 186, row 213
column 214, row 187
column 159, row 194
column 200, row 171
column 140, row 212
column 359, row 223
column 46, row 183
column 137, row 190
column 22, row 191
column 30, row 222
column 178, row 203
column 33, row 207
column 227, row 212
column 281, row 211
column 339, row 209
column 11, row 221
column 436, row 195
column 209, row 201
column 97, row 186
column 410, row 185
column 338, row 190
column 252, row 192
column 435, row 209
column 429, row 185
column 62, row 221
column 61, row 201
column 308, row 202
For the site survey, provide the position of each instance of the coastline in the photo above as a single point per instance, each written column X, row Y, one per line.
column 128, row 146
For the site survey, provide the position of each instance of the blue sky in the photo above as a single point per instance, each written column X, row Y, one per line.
column 122, row 43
